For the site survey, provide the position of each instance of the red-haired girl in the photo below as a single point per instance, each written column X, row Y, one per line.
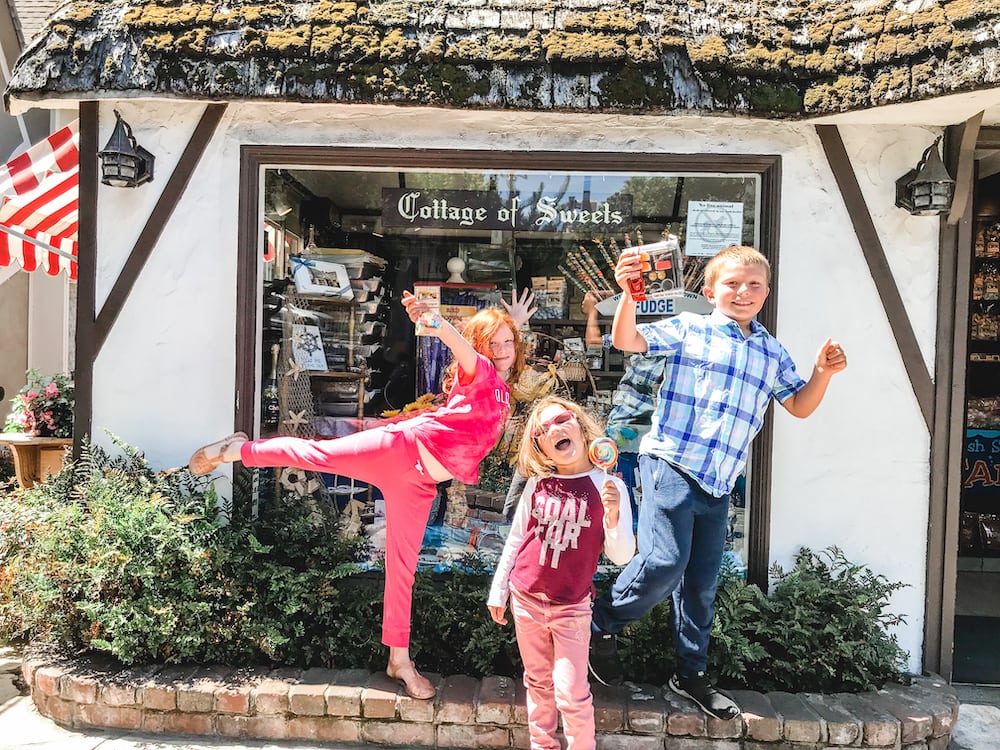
column 407, row 459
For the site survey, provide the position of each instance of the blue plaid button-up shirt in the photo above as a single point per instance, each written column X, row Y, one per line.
column 634, row 399
column 716, row 387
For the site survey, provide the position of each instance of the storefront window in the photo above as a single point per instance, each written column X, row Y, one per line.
column 338, row 354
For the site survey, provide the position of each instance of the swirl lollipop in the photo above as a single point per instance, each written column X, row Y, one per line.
column 603, row 453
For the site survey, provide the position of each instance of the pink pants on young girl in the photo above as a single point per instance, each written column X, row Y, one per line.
column 386, row 457
column 554, row 640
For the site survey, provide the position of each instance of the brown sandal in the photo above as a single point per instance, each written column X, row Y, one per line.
column 209, row 457
column 411, row 691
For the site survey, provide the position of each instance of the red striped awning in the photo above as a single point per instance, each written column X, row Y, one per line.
column 39, row 205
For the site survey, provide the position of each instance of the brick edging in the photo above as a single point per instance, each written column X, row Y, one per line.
column 358, row 706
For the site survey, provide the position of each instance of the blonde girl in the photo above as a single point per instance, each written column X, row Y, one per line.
column 568, row 514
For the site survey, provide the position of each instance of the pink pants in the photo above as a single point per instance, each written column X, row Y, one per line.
column 388, row 458
column 554, row 640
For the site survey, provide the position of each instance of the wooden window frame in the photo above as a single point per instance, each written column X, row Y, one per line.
column 254, row 158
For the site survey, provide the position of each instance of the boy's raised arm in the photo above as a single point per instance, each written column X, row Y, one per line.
column 624, row 334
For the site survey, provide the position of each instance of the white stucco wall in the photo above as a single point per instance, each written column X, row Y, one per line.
column 855, row 474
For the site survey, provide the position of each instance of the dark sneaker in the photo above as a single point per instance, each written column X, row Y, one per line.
column 700, row 690
column 603, row 662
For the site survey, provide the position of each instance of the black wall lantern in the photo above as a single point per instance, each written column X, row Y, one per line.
column 928, row 189
column 124, row 163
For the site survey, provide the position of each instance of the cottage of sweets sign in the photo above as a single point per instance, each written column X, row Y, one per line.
column 481, row 209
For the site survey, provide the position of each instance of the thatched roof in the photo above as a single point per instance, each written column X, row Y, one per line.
column 788, row 58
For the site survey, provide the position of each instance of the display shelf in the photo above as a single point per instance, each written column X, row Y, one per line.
column 551, row 326
column 329, row 339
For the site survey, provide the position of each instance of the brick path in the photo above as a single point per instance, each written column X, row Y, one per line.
column 356, row 706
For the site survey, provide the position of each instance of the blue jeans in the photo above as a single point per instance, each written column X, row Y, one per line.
column 681, row 538
column 628, row 464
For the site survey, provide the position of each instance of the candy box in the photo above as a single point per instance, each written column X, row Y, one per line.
column 662, row 271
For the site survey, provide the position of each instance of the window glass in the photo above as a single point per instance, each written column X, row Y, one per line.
column 339, row 353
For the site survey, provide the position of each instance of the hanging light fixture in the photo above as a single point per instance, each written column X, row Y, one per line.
column 124, row 163
column 928, row 189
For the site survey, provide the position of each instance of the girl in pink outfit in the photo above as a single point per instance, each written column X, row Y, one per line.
column 568, row 513
column 407, row 459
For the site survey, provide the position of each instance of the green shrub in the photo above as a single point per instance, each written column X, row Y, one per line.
column 824, row 627
column 114, row 557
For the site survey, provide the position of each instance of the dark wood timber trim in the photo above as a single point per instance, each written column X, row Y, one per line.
column 892, row 302
column 989, row 139
column 954, row 284
column 963, row 148
column 158, row 219
column 759, row 539
column 86, row 280
column 254, row 158
column 247, row 323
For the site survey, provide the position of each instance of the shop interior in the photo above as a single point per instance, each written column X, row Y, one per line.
column 977, row 606
column 338, row 353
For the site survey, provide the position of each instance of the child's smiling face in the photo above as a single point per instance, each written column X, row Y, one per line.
column 561, row 440
column 739, row 292
column 503, row 350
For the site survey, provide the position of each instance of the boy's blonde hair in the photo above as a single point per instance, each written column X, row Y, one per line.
column 740, row 255
column 532, row 462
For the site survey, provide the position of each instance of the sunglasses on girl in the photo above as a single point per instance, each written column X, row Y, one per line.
column 561, row 418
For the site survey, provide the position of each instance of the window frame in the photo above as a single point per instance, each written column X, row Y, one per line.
column 253, row 159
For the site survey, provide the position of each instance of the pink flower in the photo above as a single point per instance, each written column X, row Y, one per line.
column 31, row 396
column 51, row 390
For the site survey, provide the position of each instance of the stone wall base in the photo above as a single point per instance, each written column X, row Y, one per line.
column 356, row 706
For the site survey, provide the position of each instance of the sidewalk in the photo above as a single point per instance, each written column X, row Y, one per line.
column 978, row 725
column 23, row 728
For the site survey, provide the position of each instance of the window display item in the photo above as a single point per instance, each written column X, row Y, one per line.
column 455, row 267
column 269, row 401
column 968, row 534
column 551, row 297
column 321, row 277
column 662, row 271
column 989, row 530
column 307, row 347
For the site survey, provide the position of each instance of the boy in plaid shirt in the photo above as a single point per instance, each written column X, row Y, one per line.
column 720, row 373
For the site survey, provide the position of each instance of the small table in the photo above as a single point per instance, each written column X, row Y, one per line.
column 35, row 457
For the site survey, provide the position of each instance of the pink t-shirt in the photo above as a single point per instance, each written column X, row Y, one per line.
column 461, row 433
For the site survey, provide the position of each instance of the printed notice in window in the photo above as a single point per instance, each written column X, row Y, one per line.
column 713, row 226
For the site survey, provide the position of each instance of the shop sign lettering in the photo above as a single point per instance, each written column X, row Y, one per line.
column 480, row 209
column 661, row 307
column 981, row 464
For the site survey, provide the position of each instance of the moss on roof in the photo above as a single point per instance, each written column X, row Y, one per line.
column 785, row 58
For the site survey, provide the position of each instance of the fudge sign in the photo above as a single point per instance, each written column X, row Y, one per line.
column 476, row 209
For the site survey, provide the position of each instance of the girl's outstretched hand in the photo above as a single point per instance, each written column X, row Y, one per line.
column 610, row 498
column 421, row 312
column 413, row 306
column 497, row 613
column 520, row 310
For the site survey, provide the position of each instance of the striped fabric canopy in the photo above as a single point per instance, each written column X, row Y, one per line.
column 39, row 205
